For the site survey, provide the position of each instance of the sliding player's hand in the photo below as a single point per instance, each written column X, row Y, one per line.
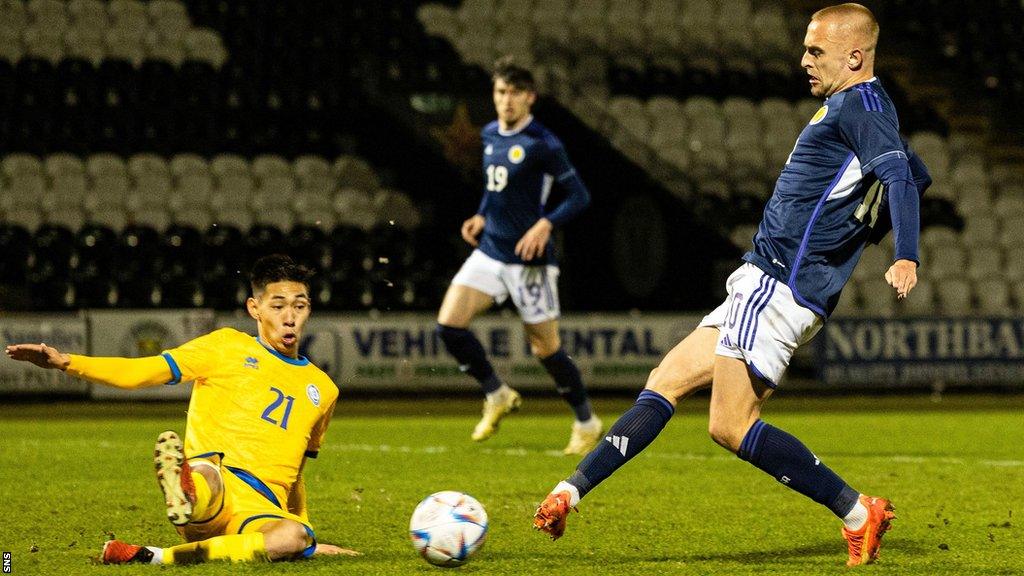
column 472, row 228
column 535, row 241
column 39, row 354
column 902, row 276
column 332, row 550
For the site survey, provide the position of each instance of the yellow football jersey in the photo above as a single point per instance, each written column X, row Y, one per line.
column 262, row 410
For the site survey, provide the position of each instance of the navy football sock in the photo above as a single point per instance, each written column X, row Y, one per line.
column 465, row 347
column 568, row 382
column 790, row 462
column 630, row 434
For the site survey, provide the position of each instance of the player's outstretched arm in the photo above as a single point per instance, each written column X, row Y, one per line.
column 39, row 354
column 127, row 373
column 472, row 228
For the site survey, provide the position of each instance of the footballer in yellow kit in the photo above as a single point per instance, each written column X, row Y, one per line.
column 259, row 410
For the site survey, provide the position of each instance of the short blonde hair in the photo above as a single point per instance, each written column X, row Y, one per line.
column 855, row 18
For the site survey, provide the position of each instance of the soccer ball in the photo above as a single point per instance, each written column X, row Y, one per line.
column 448, row 527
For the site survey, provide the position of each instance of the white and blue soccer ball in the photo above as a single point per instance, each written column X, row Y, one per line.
column 448, row 527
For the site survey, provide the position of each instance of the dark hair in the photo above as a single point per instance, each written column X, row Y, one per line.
column 277, row 268
column 506, row 69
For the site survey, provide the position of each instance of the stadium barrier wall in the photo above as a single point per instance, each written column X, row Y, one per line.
column 135, row 333
column 921, row 351
column 614, row 351
column 67, row 332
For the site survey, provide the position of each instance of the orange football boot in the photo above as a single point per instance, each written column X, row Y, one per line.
column 864, row 544
column 551, row 514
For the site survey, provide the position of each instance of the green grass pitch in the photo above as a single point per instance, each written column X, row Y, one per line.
column 71, row 473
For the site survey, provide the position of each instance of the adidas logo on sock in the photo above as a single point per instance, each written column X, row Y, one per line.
column 620, row 442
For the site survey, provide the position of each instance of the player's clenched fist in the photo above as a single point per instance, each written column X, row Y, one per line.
column 472, row 228
column 902, row 276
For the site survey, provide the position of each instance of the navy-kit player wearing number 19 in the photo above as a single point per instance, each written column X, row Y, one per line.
column 514, row 256
column 822, row 212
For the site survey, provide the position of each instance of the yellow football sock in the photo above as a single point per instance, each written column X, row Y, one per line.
column 235, row 547
column 203, row 508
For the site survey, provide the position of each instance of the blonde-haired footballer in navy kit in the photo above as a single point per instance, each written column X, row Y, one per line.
column 234, row 490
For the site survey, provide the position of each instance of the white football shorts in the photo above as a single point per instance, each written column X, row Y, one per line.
column 760, row 323
column 534, row 289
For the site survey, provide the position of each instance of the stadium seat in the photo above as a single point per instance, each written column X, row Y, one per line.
column 192, row 191
column 15, row 242
column 1013, row 257
column 1012, row 232
column 188, row 163
column 70, row 218
column 920, row 302
column 26, row 189
column 229, row 165
column 204, row 45
column 954, row 296
column 1009, row 207
column 66, row 193
column 183, row 292
column 876, row 297
column 952, row 264
column 182, row 249
column 28, row 218
column 980, row 231
column 984, row 261
column 935, row 237
column 993, row 297
column 270, row 165
column 394, row 208
column 239, row 219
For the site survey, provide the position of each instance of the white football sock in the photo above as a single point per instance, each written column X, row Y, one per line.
column 158, row 555
column 500, row 394
column 857, row 517
column 574, row 494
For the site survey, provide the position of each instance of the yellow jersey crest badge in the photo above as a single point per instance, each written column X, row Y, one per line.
column 819, row 115
column 516, row 154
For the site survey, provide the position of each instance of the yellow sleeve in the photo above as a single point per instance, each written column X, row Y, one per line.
column 127, row 373
column 316, row 436
column 297, row 496
column 196, row 358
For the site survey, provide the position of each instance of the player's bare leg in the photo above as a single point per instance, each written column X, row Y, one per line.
column 684, row 370
column 461, row 304
column 736, row 402
column 735, row 424
column 546, row 346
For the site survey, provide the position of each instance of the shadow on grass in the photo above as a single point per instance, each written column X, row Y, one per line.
column 827, row 552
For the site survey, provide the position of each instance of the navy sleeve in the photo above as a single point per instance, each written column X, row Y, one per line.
column 483, row 204
column 919, row 172
column 922, row 180
column 577, row 196
column 869, row 127
column 904, row 206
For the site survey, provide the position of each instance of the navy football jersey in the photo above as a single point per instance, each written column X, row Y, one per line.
column 818, row 218
column 520, row 167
